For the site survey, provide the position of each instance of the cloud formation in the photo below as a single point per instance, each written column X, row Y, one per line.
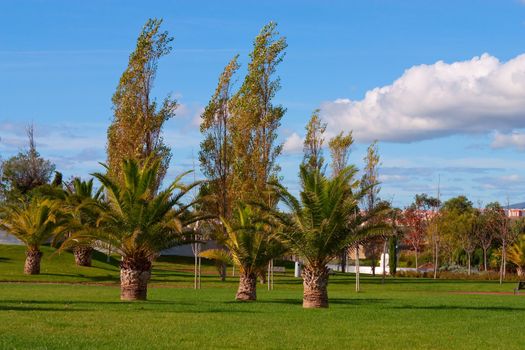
column 514, row 139
column 293, row 144
column 428, row 101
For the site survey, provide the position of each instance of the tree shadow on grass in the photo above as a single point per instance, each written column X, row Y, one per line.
column 299, row 301
column 33, row 308
column 459, row 307
column 102, row 278
column 357, row 301
column 118, row 306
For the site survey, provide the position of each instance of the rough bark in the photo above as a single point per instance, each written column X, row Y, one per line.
column 222, row 271
column 83, row 256
column 247, row 287
column 134, row 277
column 343, row 258
column 262, row 277
column 315, row 282
column 32, row 264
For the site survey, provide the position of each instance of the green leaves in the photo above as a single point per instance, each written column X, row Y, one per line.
column 327, row 217
column 135, row 220
column 34, row 221
column 136, row 130
column 251, row 239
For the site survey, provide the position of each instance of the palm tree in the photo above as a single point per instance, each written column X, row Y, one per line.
column 325, row 220
column 139, row 223
column 252, row 243
column 33, row 221
column 516, row 254
column 81, row 202
column 221, row 257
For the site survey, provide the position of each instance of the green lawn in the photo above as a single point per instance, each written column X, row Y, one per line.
column 81, row 309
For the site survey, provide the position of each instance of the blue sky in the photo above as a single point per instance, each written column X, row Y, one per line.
column 370, row 66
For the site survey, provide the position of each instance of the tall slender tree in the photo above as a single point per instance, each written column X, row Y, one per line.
column 136, row 129
column 256, row 119
column 313, row 142
column 339, row 151
column 216, row 160
column 370, row 182
column 216, row 153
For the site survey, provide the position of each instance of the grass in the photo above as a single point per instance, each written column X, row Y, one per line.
column 80, row 309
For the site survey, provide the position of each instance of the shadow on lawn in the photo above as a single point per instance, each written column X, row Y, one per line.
column 335, row 301
column 120, row 306
column 105, row 278
column 460, row 307
column 33, row 308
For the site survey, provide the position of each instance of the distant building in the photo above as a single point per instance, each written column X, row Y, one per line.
column 515, row 213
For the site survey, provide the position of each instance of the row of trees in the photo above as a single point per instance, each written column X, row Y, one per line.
column 454, row 230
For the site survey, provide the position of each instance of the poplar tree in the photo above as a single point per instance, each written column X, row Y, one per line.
column 216, row 154
column 370, row 184
column 256, row 119
column 136, row 129
column 339, row 151
column 313, row 142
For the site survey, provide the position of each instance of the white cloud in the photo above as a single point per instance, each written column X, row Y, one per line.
column 293, row 144
column 474, row 96
column 514, row 139
column 511, row 178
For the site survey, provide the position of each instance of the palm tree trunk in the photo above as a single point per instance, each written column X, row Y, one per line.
column 222, row 271
column 134, row 277
column 342, row 258
column 32, row 264
column 247, row 286
column 315, row 282
column 83, row 255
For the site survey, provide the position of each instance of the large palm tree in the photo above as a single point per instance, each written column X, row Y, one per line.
column 138, row 222
column 83, row 204
column 325, row 220
column 33, row 221
column 252, row 243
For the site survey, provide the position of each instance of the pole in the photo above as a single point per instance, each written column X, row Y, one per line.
column 384, row 262
column 357, row 286
column 436, row 234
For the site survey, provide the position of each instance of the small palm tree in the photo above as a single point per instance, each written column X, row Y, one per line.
column 252, row 243
column 82, row 203
column 34, row 222
column 221, row 257
column 139, row 223
column 325, row 220
column 516, row 254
